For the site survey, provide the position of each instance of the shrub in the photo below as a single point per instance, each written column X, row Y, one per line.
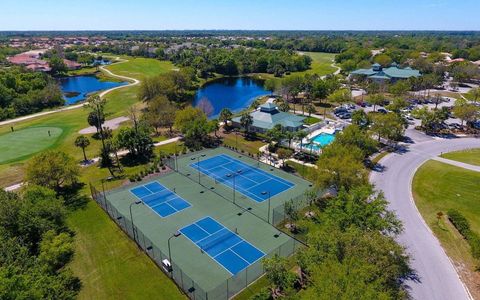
column 462, row 225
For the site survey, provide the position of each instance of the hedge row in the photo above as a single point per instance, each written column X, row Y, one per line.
column 463, row 226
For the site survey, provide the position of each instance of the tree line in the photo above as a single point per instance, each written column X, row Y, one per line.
column 352, row 252
column 36, row 244
column 24, row 92
column 240, row 61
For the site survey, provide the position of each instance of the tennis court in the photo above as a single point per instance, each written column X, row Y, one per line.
column 248, row 180
column 221, row 244
column 214, row 240
column 160, row 199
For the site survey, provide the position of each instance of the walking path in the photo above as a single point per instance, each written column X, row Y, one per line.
column 96, row 159
column 70, row 107
column 125, row 152
column 112, row 124
column 458, row 164
column 437, row 276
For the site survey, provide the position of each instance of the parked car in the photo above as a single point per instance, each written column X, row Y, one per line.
column 340, row 110
column 345, row 116
column 382, row 110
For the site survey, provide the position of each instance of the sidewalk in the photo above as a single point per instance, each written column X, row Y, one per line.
column 96, row 159
column 70, row 107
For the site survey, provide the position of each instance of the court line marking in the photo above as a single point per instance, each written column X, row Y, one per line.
column 246, row 192
column 258, row 170
column 213, row 258
column 283, row 182
column 151, row 207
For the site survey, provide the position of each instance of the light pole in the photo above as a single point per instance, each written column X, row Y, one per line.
column 131, row 218
column 268, row 215
column 236, row 140
column 198, row 166
column 103, row 193
column 176, row 164
column 176, row 234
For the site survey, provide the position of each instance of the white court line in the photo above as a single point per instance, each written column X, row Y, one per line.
column 213, row 258
column 246, row 192
column 164, row 188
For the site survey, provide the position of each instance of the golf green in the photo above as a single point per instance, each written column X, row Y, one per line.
column 25, row 142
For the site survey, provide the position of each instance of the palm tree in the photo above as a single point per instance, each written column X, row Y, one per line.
column 289, row 136
column 246, row 120
column 82, row 142
column 474, row 94
column 300, row 135
column 311, row 109
column 225, row 116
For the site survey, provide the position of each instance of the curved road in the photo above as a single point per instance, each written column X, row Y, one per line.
column 438, row 278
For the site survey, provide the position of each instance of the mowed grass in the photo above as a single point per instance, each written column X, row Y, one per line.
column 110, row 264
column 321, row 63
column 438, row 187
column 21, row 144
column 471, row 156
column 71, row 121
column 140, row 68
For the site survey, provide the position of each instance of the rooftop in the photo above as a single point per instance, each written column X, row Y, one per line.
column 268, row 115
column 377, row 72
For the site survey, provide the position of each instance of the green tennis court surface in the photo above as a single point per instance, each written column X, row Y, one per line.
column 251, row 181
column 22, row 143
column 218, row 241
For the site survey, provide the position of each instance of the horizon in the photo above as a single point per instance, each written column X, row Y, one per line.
column 269, row 15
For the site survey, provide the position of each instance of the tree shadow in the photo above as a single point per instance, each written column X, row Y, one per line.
column 130, row 160
column 73, row 197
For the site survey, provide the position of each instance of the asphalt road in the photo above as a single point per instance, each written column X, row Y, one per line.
column 438, row 278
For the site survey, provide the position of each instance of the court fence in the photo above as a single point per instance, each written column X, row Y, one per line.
column 185, row 283
column 279, row 213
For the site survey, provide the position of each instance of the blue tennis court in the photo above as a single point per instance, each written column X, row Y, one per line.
column 221, row 244
column 160, row 199
column 250, row 181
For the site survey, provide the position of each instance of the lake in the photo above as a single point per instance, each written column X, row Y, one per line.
column 77, row 88
column 235, row 93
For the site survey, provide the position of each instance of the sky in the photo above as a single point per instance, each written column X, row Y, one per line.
column 239, row 14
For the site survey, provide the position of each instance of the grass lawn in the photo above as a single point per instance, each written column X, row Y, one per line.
column 311, row 120
column 24, row 143
column 110, row 265
column 70, row 122
column 241, row 143
column 321, row 63
column 252, row 289
column 471, row 156
column 440, row 187
column 140, row 68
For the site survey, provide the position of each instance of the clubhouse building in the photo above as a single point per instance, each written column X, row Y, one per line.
column 268, row 115
column 384, row 75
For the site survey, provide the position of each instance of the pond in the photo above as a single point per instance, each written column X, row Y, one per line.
column 236, row 94
column 77, row 88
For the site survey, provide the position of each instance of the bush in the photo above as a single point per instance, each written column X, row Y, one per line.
column 462, row 225
column 459, row 221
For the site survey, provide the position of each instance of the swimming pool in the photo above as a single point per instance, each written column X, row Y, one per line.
column 323, row 139
column 319, row 141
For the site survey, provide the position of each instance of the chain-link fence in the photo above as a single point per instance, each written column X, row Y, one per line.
column 274, row 215
column 226, row 290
